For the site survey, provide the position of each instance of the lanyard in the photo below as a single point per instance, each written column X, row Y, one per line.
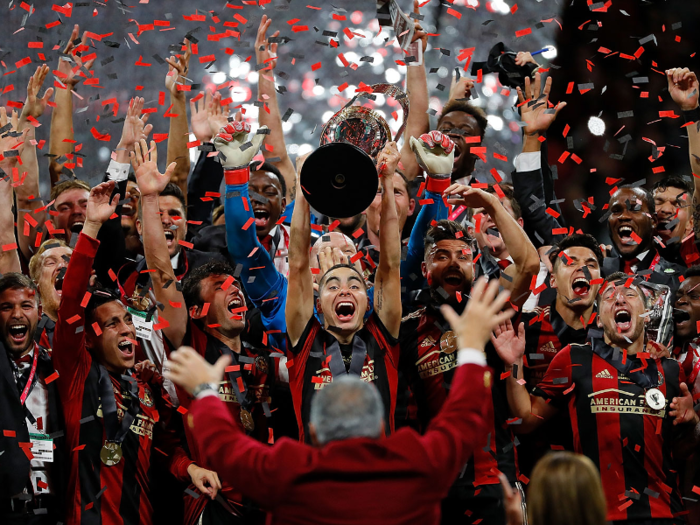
column 31, row 380
column 115, row 431
column 337, row 366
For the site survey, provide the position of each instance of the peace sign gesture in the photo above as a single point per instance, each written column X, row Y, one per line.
column 535, row 113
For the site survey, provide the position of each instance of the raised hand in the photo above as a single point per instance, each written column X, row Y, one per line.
column 509, row 345
column 177, row 71
column 145, row 164
column 682, row 410
column 68, row 73
column 265, row 53
column 101, row 205
column 459, row 194
column 188, row 369
column 218, row 116
column 536, row 113
column 683, row 86
column 230, row 141
column 11, row 140
column 419, row 33
column 461, row 88
column 388, row 159
column 199, row 116
column 35, row 106
column 481, row 316
column 435, row 153
column 135, row 125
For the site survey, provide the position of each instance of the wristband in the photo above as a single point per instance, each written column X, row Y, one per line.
column 237, row 175
column 203, row 387
column 438, row 183
column 692, row 115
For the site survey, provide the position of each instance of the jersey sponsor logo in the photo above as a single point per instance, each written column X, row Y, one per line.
column 605, row 374
column 324, row 376
column 228, row 395
column 428, row 342
column 626, row 403
column 143, row 426
column 438, row 363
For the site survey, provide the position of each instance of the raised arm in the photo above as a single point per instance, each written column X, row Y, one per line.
column 269, row 115
column 178, row 132
column 387, row 281
column 683, row 87
column 418, row 121
column 70, row 68
column 300, row 290
column 10, row 148
column 151, row 182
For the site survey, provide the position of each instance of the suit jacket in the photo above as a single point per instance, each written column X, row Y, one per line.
column 396, row 480
column 14, row 464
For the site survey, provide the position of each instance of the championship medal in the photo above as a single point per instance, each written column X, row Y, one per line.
column 247, row 420
column 655, row 399
column 261, row 364
column 111, row 453
column 448, row 342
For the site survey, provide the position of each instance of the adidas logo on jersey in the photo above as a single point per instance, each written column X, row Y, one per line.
column 604, row 375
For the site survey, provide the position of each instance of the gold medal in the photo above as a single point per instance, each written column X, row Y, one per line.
column 247, row 420
column 448, row 342
column 111, row 453
column 261, row 364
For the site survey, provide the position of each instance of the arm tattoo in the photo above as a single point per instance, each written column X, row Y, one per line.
column 379, row 297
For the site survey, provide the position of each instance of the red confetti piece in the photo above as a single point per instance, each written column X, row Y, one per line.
column 51, row 378
column 523, row 32
column 186, row 244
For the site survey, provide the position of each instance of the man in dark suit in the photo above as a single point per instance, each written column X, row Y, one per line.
column 352, row 474
column 30, row 417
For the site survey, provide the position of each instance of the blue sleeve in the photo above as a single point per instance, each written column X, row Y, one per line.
column 289, row 211
column 265, row 286
column 411, row 266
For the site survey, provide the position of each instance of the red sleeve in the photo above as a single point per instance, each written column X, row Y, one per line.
column 70, row 357
column 258, row 471
column 557, row 384
column 461, row 424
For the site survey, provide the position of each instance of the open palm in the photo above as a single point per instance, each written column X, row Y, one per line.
column 509, row 344
column 145, row 164
column 101, row 205
column 535, row 113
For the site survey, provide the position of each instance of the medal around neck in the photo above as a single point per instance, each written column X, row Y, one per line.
column 111, row 453
column 655, row 399
column 340, row 178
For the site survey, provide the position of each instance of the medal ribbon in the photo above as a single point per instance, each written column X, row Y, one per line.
column 31, row 380
column 115, row 431
column 337, row 366
column 642, row 378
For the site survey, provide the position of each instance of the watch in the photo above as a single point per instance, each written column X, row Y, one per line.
column 202, row 387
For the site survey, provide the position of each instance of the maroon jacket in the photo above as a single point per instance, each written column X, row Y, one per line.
column 400, row 479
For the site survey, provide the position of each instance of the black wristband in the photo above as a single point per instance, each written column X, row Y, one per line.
column 692, row 115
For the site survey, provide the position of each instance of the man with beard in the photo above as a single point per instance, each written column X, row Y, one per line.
column 618, row 403
column 672, row 201
column 686, row 317
column 31, row 484
column 345, row 343
column 115, row 415
column 428, row 353
column 217, row 310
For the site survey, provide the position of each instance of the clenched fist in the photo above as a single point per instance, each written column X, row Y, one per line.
column 232, row 142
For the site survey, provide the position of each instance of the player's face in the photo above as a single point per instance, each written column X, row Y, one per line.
column 619, row 312
column 449, row 265
column 672, row 206
column 19, row 316
column 129, row 213
column 172, row 216
column 404, row 205
column 268, row 207
column 50, row 284
column 465, row 125
column 71, row 206
column 115, row 346
column 687, row 312
column 343, row 300
column 226, row 308
column 631, row 225
column 572, row 276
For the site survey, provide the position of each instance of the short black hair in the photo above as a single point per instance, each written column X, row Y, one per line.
column 191, row 286
column 445, row 230
column 619, row 277
column 18, row 281
column 584, row 240
column 271, row 168
column 673, row 181
column 342, row 265
column 466, row 107
column 693, row 271
column 173, row 190
column 98, row 297
column 509, row 193
column 648, row 198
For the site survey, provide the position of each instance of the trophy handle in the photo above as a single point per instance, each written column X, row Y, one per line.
column 397, row 94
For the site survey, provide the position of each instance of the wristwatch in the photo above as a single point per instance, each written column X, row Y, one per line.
column 203, row 387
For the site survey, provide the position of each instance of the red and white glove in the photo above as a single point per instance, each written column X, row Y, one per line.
column 229, row 141
column 435, row 153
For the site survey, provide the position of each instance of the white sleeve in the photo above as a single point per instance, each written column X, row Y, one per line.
column 471, row 356
column 530, row 161
column 117, row 171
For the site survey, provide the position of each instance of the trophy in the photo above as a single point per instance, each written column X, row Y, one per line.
column 659, row 327
column 340, row 178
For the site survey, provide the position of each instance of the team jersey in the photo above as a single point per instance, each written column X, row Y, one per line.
column 429, row 360
column 629, row 442
column 97, row 493
column 310, row 370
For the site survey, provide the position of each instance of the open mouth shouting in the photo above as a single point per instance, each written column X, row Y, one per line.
column 625, row 233
column 623, row 321
column 58, row 282
column 18, row 333
column 169, row 237
column 126, row 347
column 581, row 287
column 77, row 226
column 454, row 278
column 235, row 303
column 681, row 317
column 345, row 310
column 262, row 217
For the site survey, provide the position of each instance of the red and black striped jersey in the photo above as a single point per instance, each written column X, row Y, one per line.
column 429, row 361
column 629, row 442
column 97, row 493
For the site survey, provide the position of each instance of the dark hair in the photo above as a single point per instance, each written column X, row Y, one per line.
column 98, row 297
column 673, row 181
column 693, row 271
column 445, row 230
column 271, row 168
column 509, row 193
column 191, row 286
column 466, row 107
column 647, row 197
column 583, row 240
column 131, row 177
column 618, row 277
column 171, row 190
column 18, row 281
column 337, row 266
